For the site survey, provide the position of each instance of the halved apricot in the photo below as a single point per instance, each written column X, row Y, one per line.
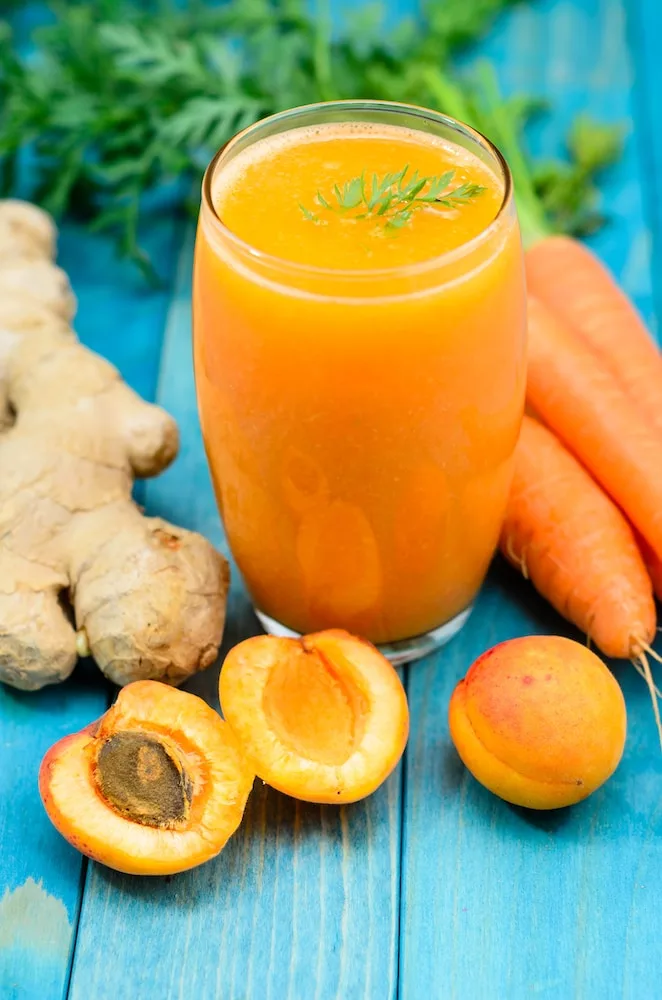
column 156, row 786
column 323, row 718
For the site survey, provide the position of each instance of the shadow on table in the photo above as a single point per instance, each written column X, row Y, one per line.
column 276, row 831
column 459, row 784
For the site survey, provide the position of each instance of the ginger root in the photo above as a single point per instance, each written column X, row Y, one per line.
column 147, row 598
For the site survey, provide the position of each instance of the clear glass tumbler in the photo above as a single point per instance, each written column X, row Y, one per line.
column 360, row 425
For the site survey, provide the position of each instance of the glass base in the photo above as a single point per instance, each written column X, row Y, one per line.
column 403, row 651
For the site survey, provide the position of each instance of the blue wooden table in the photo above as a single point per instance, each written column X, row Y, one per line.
column 432, row 889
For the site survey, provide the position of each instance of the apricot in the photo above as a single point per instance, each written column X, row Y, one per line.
column 539, row 721
column 323, row 718
column 156, row 786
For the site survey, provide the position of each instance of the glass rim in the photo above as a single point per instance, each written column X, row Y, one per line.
column 358, row 274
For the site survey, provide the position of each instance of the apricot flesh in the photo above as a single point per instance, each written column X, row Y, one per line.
column 323, row 718
column 156, row 786
column 540, row 721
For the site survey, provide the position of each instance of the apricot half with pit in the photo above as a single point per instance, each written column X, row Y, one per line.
column 156, row 786
column 323, row 718
column 540, row 721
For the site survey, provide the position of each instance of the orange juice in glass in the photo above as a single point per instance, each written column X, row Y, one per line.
column 359, row 343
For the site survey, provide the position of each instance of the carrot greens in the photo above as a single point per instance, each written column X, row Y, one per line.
column 553, row 196
column 113, row 98
column 393, row 198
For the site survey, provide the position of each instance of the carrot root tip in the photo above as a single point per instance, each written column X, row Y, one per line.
column 519, row 561
column 650, row 651
column 643, row 667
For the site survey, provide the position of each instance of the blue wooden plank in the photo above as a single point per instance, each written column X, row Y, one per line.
column 119, row 315
column 303, row 903
column 40, row 875
column 645, row 24
column 498, row 902
column 574, row 53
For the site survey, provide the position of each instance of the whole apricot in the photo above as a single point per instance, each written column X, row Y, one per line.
column 540, row 721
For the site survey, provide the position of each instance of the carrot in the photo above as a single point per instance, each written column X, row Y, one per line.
column 594, row 404
column 576, row 547
column 584, row 404
column 576, row 286
column 653, row 565
column 655, row 572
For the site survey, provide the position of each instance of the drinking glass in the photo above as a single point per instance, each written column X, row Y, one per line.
column 360, row 425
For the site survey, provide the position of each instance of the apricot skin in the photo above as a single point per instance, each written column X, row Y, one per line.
column 540, row 721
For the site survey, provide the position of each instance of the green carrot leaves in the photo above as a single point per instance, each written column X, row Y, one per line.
column 393, row 198
column 117, row 97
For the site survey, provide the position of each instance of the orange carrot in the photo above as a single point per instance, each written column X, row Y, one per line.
column 574, row 544
column 584, row 404
column 653, row 565
column 655, row 572
column 594, row 375
column 571, row 281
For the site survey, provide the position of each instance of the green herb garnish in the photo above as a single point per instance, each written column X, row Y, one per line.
column 394, row 198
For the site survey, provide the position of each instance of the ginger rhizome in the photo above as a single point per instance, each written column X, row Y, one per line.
column 81, row 569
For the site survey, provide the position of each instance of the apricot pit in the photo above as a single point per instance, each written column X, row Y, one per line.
column 143, row 779
column 156, row 786
column 323, row 718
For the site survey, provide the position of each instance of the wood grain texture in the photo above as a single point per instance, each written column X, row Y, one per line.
column 645, row 34
column 303, row 903
column 500, row 903
column 122, row 319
